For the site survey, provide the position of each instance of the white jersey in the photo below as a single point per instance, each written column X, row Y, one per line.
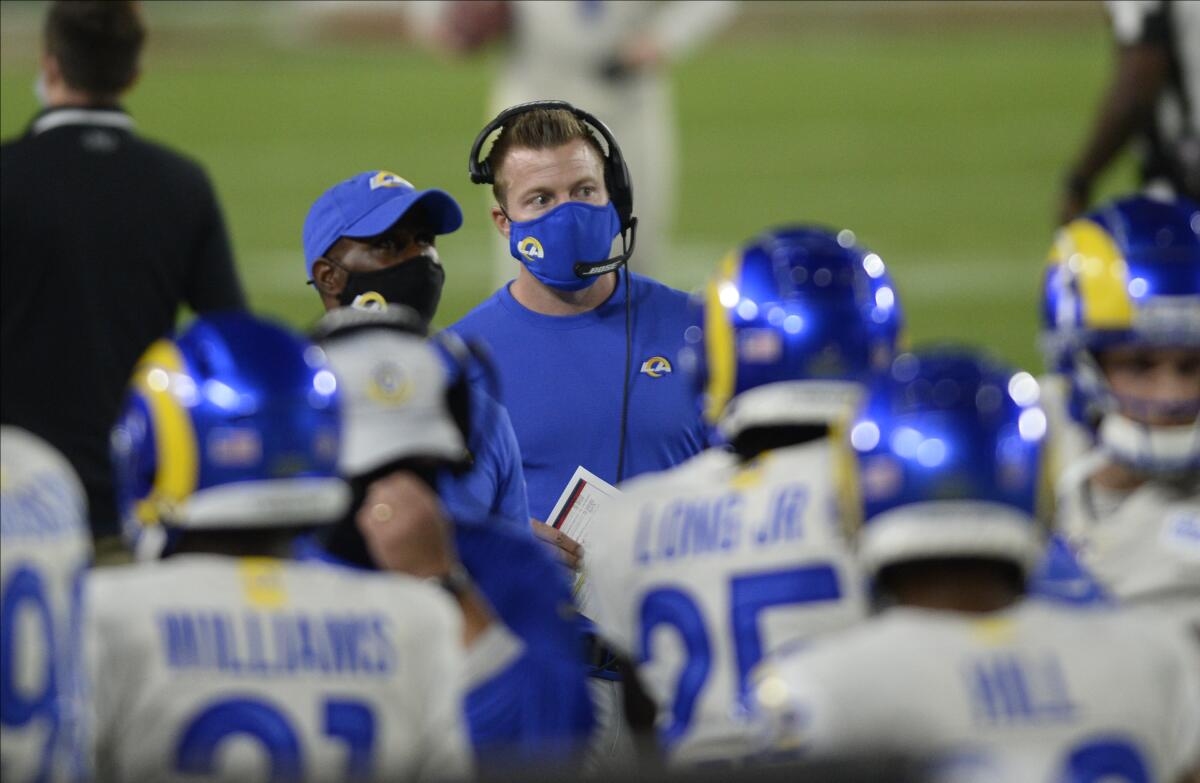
column 210, row 667
column 1143, row 547
column 45, row 548
column 706, row 568
column 1035, row 694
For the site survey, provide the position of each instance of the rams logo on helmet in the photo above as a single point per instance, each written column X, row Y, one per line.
column 234, row 447
column 386, row 179
column 656, row 366
column 390, row 384
column 531, row 248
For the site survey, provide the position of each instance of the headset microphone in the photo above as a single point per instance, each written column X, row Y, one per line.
column 616, row 262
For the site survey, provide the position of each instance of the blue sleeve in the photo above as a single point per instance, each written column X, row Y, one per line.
column 512, row 504
column 525, row 585
column 537, row 709
column 494, row 486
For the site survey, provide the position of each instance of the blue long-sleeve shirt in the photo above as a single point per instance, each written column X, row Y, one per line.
column 494, row 486
column 562, row 382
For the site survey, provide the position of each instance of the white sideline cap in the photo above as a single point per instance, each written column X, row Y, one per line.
column 393, row 400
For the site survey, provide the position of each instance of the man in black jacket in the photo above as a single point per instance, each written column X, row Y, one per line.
column 103, row 235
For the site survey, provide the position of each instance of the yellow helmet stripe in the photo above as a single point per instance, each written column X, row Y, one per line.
column 847, row 491
column 718, row 341
column 1093, row 259
column 174, row 435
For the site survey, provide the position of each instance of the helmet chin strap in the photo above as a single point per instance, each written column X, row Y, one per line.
column 1155, row 450
column 1091, row 380
column 152, row 543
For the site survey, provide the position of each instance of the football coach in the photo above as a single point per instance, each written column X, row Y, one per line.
column 586, row 355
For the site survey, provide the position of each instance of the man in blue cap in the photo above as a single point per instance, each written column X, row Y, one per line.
column 371, row 241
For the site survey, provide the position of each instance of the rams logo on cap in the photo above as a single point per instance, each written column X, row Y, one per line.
column 531, row 248
column 390, row 384
column 371, row 301
column 386, row 179
column 656, row 366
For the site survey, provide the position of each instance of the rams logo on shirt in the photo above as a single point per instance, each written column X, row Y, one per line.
column 656, row 366
column 386, row 179
column 531, row 248
column 390, row 384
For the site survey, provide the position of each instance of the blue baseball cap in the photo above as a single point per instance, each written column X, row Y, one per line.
column 368, row 204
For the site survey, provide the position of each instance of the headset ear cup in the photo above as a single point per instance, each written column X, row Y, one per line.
column 483, row 175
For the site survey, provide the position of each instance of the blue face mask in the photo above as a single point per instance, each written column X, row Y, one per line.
column 550, row 245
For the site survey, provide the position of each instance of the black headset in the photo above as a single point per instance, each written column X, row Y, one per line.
column 616, row 176
column 620, row 192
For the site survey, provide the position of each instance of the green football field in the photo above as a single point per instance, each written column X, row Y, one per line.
column 939, row 135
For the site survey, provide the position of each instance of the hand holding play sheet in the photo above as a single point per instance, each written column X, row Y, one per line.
column 585, row 498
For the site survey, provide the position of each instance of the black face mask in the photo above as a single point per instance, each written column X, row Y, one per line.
column 416, row 283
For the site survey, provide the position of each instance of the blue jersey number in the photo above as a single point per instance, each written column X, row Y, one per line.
column 1105, row 758
column 26, row 590
column 673, row 607
column 60, row 679
column 749, row 595
column 350, row 722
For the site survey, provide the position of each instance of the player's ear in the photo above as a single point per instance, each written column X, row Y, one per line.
column 501, row 221
column 328, row 277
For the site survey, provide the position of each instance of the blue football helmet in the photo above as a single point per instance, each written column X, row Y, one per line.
column 235, row 424
column 949, row 449
column 789, row 329
column 1127, row 273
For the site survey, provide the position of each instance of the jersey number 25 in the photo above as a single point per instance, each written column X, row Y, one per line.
column 748, row 596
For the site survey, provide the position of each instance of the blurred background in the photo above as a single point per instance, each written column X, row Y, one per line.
column 938, row 131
